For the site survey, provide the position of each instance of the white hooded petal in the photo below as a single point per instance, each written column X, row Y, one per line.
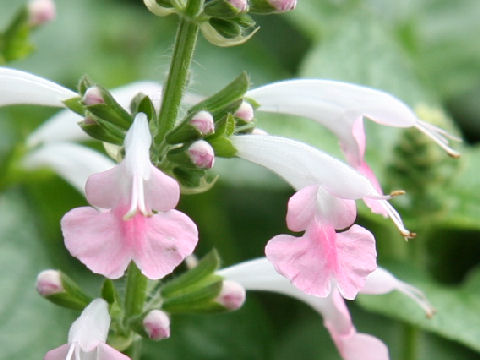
column 73, row 162
column 20, row 87
column 337, row 105
column 91, row 328
column 302, row 165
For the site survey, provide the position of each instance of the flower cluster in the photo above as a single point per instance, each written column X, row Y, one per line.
column 132, row 217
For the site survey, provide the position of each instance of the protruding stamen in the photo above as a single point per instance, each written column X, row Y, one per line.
column 440, row 136
column 417, row 296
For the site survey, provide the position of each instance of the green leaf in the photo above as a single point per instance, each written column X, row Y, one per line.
column 14, row 42
column 29, row 325
column 229, row 94
column 206, row 266
column 457, row 307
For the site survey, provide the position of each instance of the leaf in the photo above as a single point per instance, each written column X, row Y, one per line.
column 457, row 307
column 29, row 325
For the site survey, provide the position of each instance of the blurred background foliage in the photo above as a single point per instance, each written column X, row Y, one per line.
column 426, row 52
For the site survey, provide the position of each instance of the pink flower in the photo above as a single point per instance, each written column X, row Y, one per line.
column 87, row 337
column 259, row 274
column 302, row 165
column 322, row 257
column 107, row 240
column 341, row 107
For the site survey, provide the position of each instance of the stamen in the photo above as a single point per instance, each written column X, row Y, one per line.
column 397, row 220
column 419, row 297
column 133, row 200
column 396, row 193
column 440, row 136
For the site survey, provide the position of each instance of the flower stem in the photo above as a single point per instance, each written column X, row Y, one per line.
column 185, row 42
column 410, row 342
column 136, row 290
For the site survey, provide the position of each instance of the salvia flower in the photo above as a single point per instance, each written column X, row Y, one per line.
column 245, row 112
column 260, row 275
column 302, row 165
column 107, row 240
column 341, row 107
column 322, row 257
column 87, row 337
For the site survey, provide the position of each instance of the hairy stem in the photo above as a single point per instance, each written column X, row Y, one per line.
column 185, row 42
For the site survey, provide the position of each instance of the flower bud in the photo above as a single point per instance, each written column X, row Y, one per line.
column 245, row 112
column 241, row 5
column 93, row 96
column 271, row 6
column 157, row 325
column 232, row 296
column 283, row 5
column 201, row 154
column 203, row 122
column 41, row 11
column 258, row 131
column 49, row 283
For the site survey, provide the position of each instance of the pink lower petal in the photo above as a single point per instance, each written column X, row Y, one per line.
column 308, row 261
column 321, row 255
column 97, row 240
column 167, row 239
column 106, row 352
column 357, row 258
column 59, row 353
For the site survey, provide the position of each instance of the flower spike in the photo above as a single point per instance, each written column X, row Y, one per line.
column 106, row 241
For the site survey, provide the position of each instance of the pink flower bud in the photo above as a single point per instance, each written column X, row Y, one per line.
column 245, row 112
column 93, row 96
column 203, row 122
column 232, row 296
column 283, row 5
column 49, row 283
column 41, row 11
column 157, row 325
column 241, row 5
column 201, row 153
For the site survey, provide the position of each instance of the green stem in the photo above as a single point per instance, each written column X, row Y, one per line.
column 134, row 351
column 185, row 42
column 136, row 291
column 410, row 342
